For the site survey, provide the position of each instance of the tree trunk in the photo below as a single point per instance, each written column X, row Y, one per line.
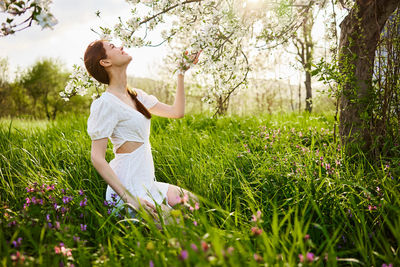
column 307, row 83
column 360, row 32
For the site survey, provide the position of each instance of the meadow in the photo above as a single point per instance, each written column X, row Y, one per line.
column 274, row 189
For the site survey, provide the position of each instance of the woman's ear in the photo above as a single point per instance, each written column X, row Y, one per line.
column 105, row 62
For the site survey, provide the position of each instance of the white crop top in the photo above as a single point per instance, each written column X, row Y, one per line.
column 111, row 117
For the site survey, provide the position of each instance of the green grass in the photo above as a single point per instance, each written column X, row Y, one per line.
column 312, row 197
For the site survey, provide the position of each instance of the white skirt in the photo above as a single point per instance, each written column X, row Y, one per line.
column 135, row 170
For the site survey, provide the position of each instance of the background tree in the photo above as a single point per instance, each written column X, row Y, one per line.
column 304, row 44
column 43, row 82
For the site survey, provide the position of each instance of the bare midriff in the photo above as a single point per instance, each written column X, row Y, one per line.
column 129, row 146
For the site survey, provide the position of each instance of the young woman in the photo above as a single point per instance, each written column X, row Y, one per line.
column 123, row 115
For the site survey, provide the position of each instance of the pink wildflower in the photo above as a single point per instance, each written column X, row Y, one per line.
column 256, row 231
column 194, row 247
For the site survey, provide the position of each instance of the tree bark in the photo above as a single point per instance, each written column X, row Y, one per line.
column 360, row 32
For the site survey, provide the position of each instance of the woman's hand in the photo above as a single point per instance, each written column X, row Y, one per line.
column 188, row 60
column 147, row 206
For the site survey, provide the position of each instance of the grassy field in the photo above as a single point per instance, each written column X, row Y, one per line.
column 275, row 190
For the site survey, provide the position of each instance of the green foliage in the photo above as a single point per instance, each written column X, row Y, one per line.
column 35, row 92
column 315, row 204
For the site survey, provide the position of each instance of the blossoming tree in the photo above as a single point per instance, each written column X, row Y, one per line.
column 20, row 15
column 226, row 31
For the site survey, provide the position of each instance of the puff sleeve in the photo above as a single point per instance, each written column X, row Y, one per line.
column 147, row 100
column 102, row 119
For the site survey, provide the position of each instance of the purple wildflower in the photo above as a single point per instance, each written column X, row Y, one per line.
column 83, row 227
column 76, row 238
column 184, row 255
column 81, row 192
column 151, row 264
column 48, row 217
column 83, row 202
column 17, row 243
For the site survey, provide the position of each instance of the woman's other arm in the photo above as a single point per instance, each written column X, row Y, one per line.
column 99, row 162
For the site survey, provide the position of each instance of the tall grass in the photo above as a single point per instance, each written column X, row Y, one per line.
column 318, row 206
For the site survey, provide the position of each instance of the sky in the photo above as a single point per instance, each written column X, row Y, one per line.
column 70, row 37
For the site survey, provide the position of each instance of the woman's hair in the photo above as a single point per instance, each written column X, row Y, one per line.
column 93, row 54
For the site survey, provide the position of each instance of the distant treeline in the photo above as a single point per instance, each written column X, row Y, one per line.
column 35, row 93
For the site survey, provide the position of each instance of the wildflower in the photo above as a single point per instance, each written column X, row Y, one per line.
column 387, row 265
column 76, row 238
column 151, row 264
column 257, row 257
column 230, row 250
column 17, row 243
column 67, row 199
column 194, row 247
column 195, row 223
column 17, row 257
column 310, row 256
column 301, row 257
column 28, row 200
column 256, row 231
column 257, row 217
column 306, row 237
column 204, row 245
column 114, row 196
column 196, row 206
column 57, row 225
column 81, row 215
column 50, row 188
column 57, row 249
column 83, row 202
column 49, row 225
column 184, row 255
column 39, row 201
column 83, row 227
column 29, row 189
column 370, row 208
column 109, row 211
column 81, row 192
column 12, row 223
column 105, row 203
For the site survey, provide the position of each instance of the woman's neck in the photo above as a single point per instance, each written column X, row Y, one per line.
column 118, row 81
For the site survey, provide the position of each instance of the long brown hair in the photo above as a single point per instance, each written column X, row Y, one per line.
column 93, row 54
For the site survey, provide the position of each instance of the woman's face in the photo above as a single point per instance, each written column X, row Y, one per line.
column 116, row 55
